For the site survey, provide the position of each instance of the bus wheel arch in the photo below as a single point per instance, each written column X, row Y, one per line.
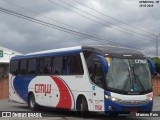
column 32, row 101
column 81, row 103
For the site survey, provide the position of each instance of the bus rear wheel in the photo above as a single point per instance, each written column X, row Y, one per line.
column 32, row 103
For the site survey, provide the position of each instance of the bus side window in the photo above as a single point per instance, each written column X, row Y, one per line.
column 23, row 67
column 67, row 65
column 76, row 65
column 66, row 69
column 14, row 67
column 58, row 65
column 90, row 64
column 44, row 65
column 40, row 66
column 94, row 68
column 47, row 66
column 32, row 66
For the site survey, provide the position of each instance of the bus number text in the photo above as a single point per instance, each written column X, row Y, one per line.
column 98, row 107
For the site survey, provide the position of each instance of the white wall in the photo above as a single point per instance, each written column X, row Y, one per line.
column 7, row 54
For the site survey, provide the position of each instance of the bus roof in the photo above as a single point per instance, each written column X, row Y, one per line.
column 103, row 50
column 113, row 51
column 68, row 50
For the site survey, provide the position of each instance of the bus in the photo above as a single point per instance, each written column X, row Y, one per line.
column 83, row 78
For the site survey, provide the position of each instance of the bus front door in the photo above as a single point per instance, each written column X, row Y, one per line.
column 98, row 86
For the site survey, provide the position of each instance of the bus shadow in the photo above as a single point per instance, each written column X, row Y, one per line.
column 53, row 112
column 25, row 108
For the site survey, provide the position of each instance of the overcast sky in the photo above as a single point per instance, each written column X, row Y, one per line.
column 26, row 37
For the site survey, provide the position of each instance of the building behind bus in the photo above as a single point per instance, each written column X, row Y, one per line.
column 5, row 55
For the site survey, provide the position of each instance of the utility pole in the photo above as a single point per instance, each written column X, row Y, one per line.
column 157, row 44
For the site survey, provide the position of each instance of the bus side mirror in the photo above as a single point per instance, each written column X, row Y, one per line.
column 104, row 63
column 152, row 66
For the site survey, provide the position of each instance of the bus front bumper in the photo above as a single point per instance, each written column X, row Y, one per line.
column 114, row 107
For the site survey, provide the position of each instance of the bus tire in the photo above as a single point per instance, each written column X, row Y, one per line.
column 32, row 103
column 82, row 107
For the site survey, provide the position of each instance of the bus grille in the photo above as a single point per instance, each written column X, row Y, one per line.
column 131, row 102
column 132, row 109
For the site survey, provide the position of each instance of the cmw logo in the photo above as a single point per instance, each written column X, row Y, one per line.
column 42, row 88
column 140, row 61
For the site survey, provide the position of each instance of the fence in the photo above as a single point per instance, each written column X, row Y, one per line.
column 3, row 88
column 156, row 86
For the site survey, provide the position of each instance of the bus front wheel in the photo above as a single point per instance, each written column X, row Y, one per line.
column 32, row 103
column 82, row 107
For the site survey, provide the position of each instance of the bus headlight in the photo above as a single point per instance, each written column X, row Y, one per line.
column 150, row 98
column 111, row 98
column 107, row 97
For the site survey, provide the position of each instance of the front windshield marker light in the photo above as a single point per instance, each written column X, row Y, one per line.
column 127, row 55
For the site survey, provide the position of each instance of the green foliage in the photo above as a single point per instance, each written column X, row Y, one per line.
column 156, row 60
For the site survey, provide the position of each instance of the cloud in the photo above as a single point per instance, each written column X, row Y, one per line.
column 24, row 36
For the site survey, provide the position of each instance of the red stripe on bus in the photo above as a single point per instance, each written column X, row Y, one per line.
column 65, row 100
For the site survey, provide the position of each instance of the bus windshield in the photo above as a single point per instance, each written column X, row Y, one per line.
column 129, row 75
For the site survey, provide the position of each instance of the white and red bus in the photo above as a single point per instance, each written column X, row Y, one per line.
column 83, row 78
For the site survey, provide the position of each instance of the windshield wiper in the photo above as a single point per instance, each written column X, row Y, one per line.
column 126, row 81
column 136, row 78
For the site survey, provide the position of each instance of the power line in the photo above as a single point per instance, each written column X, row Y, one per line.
column 59, row 28
column 45, row 16
column 44, row 23
column 49, row 24
column 112, row 17
column 37, row 13
column 94, row 38
column 148, row 38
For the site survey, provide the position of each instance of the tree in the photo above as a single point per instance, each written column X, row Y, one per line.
column 156, row 60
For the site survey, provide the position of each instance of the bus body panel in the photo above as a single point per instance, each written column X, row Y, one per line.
column 52, row 91
column 98, row 98
column 43, row 88
column 53, row 94
column 13, row 93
